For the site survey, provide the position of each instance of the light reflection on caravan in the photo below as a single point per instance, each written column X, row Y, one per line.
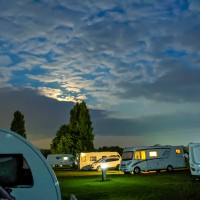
column 137, row 159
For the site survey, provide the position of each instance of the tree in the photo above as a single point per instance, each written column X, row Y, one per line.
column 81, row 128
column 78, row 135
column 18, row 124
column 111, row 148
column 62, row 132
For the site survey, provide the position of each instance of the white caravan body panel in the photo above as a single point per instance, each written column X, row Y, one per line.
column 194, row 158
column 44, row 184
column 151, row 158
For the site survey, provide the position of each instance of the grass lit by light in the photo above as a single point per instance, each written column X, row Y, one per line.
column 87, row 185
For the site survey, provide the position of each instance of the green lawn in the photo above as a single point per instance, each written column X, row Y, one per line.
column 155, row 186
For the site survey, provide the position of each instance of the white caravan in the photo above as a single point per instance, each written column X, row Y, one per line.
column 194, row 158
column 60, row 160
column 150, row 158
column 84, row 160
column 24, row 171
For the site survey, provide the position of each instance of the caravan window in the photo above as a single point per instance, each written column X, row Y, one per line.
column 153, row 154
column 15, row 171
column 93, row 158
column 178, row 151
column 140, row 155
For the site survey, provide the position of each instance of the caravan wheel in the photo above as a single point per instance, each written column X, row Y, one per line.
column 169, row 168
column 136, row 170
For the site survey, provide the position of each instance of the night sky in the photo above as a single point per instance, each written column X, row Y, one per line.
column 136, row 64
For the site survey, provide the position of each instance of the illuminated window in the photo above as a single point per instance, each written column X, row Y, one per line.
column 137, row 155
column 153, row 154
column 93, row 158
column 178, row 151
column 143, row 155
column 83, row 158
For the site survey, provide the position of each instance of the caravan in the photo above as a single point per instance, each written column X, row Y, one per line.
column 84, row 160
column 194, row 158
column 137, row 159
column 60, row 160
column 24, row 172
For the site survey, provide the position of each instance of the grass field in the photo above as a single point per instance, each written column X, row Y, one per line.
column 88, row 185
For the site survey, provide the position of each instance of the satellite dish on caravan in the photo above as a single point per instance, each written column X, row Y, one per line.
column 24, row 172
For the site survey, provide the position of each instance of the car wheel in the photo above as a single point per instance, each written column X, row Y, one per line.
column 99, row 168
column 136, row 170
column 117, row 167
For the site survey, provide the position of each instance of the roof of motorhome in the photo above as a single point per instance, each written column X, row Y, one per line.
column 150, row 147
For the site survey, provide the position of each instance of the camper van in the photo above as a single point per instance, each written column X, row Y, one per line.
column 151, row 158
column 24, row 171
column 84, row 160
column 194, row 158
column 60, row 160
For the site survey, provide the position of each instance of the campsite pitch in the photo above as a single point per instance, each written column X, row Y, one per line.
column 88, row 185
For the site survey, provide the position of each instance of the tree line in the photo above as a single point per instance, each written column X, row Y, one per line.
column 74, row 137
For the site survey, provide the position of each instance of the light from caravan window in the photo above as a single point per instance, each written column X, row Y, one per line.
column 83, row 158
column 137, row 155
column 178, row 151
column 153, row 154
column 143, row 155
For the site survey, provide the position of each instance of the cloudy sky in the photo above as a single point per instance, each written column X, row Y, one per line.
column 136, row 63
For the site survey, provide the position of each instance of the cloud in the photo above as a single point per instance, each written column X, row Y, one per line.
column 5, row 60
column 135, row 61
column 177, row 85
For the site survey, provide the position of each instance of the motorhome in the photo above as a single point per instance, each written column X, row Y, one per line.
column 60, row 160
column 150, row 158
column 24, row 171
column 84, row 160
column 194, row 158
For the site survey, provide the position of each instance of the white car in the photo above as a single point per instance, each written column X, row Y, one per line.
column 108, row 163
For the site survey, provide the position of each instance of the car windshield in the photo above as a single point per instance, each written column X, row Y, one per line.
column 100, row 160
column 128, row 155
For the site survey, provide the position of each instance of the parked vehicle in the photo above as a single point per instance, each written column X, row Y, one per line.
column 84, row 160
column 60, row 160
column 194, row 158
column 149, row 158
column 24, row 171
column 108, row 163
